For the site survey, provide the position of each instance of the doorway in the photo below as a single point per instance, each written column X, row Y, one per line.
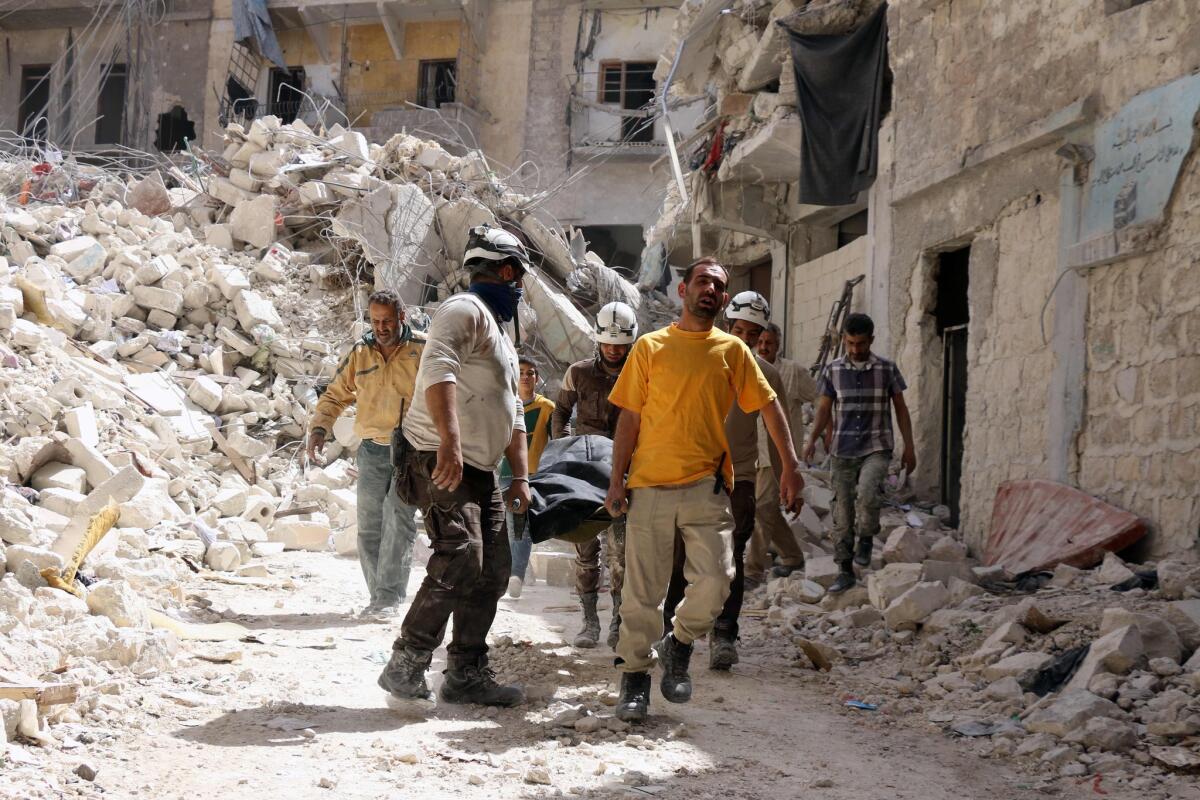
column 33, row 112
column 286, row 93
column 952, row 314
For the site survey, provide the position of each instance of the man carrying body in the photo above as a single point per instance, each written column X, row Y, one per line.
column 770, row 527
column 747, row 313
column 377, row 375
column 675, row 393
column 858, row 392
column 538, row 412
column 466, row 415
column 585, row 390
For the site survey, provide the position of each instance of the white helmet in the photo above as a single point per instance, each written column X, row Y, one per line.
column 488, row 244
column 750, row 306
column 616, row 324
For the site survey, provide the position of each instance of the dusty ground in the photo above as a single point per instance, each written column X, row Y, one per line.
column 766, row 730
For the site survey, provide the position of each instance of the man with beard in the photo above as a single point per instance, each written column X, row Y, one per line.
column 585, row 390
column 675, row 392
column 377, row 375
column 466, row 415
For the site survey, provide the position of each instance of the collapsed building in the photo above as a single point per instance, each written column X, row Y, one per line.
column 1023, row 247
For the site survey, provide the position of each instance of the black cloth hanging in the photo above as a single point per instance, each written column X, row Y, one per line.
column 840, row 86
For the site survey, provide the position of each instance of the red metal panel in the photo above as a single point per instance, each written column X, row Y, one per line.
column 1039, row 524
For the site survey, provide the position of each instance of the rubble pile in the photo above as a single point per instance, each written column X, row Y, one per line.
column 161, row 349
column 1055, row 668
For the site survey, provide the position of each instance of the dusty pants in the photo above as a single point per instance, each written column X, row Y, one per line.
column 741, row 502
column 387, row 528
column 468, row 570
column 770, row 528
column 656, row 515
column 857, row 498
column 610, row 544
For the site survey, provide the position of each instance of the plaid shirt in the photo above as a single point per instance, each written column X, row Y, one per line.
column 862, row 409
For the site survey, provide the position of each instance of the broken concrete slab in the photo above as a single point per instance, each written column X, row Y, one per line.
column 1158, row 636
column 770, row 154
column 892, row 581
column 253, row 221
column 1069, row 711
column 1116, row 652
column 304, row 532
column 904, row 545
column 914, row 605
column 1021, row 666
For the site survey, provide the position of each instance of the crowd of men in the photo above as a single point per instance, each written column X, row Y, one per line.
column 706, row 425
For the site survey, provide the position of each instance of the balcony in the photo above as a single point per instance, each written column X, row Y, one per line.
column 597, row 131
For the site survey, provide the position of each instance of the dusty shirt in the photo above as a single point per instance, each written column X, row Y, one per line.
column 467, row 347
column 585, row 389
column 683, row 384
column 799, row 388
column 862, row 404
column 378, row 386
column 741, row 429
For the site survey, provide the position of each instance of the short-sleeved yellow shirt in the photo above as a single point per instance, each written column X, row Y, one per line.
column 683, row 384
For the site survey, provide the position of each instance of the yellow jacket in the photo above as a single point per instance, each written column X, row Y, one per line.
column 539, row 434
column 376, row 386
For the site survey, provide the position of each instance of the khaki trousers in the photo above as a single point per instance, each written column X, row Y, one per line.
column 770, row 528
column 705, row 523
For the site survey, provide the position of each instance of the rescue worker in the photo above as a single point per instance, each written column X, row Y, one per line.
column 585, row 389
column 466, row 415
column 538, row 412
column 377, row 376
column 748, row 314
column 675, row 392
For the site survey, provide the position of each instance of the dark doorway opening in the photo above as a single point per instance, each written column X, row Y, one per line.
column 439, row 83
column 174, row 130
column 286, row 93
column 242, row 102
column 852, row 228
column 110, row 105
column 619, row 245
column 952, row 314
column 33, row 114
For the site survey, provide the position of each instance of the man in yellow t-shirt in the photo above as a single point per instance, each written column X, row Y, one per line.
column 675, row 392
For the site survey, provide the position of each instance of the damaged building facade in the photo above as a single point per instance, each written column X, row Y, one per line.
column 558, row 93
column 1027, row 249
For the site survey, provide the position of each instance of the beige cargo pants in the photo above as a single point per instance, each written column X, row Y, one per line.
column 704, row 521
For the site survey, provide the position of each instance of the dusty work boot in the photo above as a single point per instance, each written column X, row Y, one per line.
column 845, row 580
column 590, row 635
column 722, row 652
column 784, row 570
column 404, row 675
column 862, row 553
column 614, row 625
column 635, row 696
column 676, row 684
column 472, row 681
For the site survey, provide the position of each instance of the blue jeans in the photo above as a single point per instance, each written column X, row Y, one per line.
column 387, row 528
column 519, row 542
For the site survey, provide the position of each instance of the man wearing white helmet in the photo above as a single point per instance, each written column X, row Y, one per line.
column 466, row 415
column 748, row 314
column 584, row 391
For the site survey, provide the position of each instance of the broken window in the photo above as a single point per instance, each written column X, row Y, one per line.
column 286, row 93
column 439, row 82
column 174, row 130
column 242, row 103
column 110, row 104
column 619, row 245
column 852, row 228
column 631, row 85
column 32, row 120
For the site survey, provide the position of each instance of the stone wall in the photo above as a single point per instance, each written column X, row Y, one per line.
column 816, row 286
column 1140, row 448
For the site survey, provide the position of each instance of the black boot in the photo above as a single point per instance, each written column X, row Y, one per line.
column 676, row 684
column 590, row 635
column 862, row 554
column 845, row 579
column 635, row 696
column 783, row 571
column 614, row 626
column 472, row 681
column 404, row 675
column 722, row 652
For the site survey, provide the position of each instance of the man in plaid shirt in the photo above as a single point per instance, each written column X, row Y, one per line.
column 859, row 391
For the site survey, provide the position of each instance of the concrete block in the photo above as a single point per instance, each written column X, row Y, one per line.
column 68, row 316
column 316, row 193
column 345, row 541
column 822, row 570
column 206, row 393
column 242, row 179
column 947, row 548
column 945, row 571
column 161, row 320
column 1158, row 635
column 354, row 144
column 1116, row 652
column 28, row 335
column 769, row 155
column 222, row 556
column 229, row 279
column 13, row 296
column 81, row 424
column 1113, row 570
column 305, row 532
column 1107, row 734
column 253, row 221
column 915, row 605
column 87, row 264
column 274, row 263
column 259, row 509
column 890, row 582
column 97, row 467
column 60, row 501
column 219, row 236
column 904, row 545
column 8, row 316
column 1071, row 710
column 152, row 297
column 120, row 488
column 245, row 446
column 236, row 341
column 119, row 602
column 765, row 62
column 254, row 309
column 16, row 527
column 157, row 268
column 1184, row 616
column 1021, row 666
column 57, row 475
column 224, row 190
